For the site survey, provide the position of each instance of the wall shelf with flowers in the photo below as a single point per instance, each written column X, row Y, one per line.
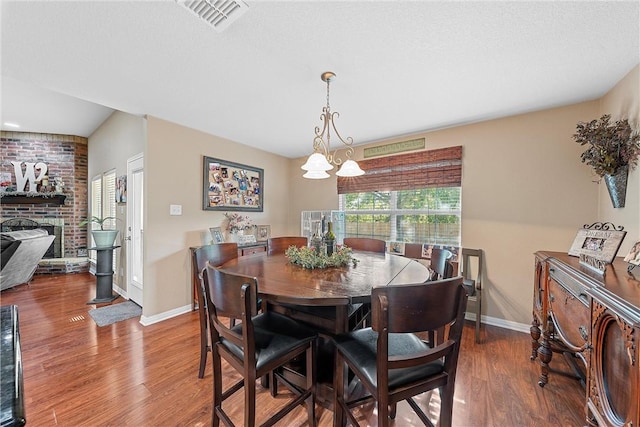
column 613, row 150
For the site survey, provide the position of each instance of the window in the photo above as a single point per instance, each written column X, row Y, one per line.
column 414, row 197
column 422, row 215
column 103, row 201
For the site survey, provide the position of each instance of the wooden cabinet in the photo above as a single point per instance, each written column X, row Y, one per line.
column 595, row 318
column 254, row 249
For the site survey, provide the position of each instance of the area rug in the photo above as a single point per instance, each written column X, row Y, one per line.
column 110, row 314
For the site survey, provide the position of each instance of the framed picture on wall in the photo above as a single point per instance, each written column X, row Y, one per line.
column 229, row 186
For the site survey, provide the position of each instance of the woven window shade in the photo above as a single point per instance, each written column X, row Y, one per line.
column 422, row 169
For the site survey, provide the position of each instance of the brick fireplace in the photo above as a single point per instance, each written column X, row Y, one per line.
column 66, row 157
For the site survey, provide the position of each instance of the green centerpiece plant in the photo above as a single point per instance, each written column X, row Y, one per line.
column 310, row 258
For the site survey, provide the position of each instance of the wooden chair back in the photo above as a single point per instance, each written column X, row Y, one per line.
column 217, row 254
column 365, row 244
column 278, row 245
column 413, row 250
column 415, row 308
column 230, row 295
column 440, row 263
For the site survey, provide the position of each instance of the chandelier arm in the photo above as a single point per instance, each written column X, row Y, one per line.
column 318, row 141
column 348, row 142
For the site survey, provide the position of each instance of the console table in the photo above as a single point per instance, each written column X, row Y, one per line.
column 104, row 274
column 596, row 319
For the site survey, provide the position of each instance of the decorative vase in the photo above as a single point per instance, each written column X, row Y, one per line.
column 617, row 186
column 234, row 236
column 104, row 238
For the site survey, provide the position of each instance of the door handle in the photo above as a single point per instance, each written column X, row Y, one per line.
column 128, row 238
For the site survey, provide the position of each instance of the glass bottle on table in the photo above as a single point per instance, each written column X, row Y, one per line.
column 316, row 241
column 330, row 239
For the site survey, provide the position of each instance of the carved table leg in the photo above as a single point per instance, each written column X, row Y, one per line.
column 535, row 337
column 545, row 353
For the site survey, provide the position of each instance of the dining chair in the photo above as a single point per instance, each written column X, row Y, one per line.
column 217, row 254
column 472, row 260
column 278, row 245
column 365, row 244
column 257, row 346
column 440, row 263
column 391, row 362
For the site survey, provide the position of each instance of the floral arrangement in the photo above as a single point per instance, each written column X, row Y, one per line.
column 238, row 222
column 308, row 258
column 611, row 145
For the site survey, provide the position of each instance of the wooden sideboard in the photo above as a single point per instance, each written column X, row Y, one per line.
column 595, row 320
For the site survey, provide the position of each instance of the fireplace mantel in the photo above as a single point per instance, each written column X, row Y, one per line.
column 23, row 199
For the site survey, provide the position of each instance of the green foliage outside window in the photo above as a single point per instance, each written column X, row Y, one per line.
column 421, row 215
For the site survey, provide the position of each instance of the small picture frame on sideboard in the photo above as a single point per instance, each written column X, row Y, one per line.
column 263, row 232
column 216, row 234
column 598, row 241
column 633, row 257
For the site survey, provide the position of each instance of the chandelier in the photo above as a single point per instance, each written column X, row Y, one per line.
column 322, row 159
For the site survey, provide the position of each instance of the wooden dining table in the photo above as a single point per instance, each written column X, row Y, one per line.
column 328, row 299
column 282, row 282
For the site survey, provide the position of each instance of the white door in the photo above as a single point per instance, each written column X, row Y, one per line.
column 134, row 239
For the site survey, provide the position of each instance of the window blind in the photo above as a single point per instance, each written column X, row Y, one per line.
column 423, row 169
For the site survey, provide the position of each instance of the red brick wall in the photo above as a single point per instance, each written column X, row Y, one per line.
column 66, row 157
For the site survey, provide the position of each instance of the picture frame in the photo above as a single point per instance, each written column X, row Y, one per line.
column 216, row 234
column 232, row 186
column 121, row 189
column 598, row 241
column 263, row 232
column 396, row 248
column 633, row 257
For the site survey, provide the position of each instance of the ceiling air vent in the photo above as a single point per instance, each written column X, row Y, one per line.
column 217, row 13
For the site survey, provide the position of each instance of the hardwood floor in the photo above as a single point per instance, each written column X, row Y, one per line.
column 79, row 374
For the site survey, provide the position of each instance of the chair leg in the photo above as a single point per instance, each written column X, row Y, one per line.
column 446, row 405
column 339, row 384
column 478, row 315
column 272, row 382
column 249, row 400
column 393, row 410
column 383, row 409
column 204, row 347
column 217, row 386
column 311, row 383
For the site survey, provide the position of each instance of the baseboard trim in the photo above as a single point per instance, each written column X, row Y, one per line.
column 501, row 323
column 150, row 320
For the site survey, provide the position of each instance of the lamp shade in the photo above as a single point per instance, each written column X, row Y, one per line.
column 316, row 175
column 317, row 162
column 350, row 168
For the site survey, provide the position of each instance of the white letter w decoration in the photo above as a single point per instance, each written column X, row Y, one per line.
column 29, row 174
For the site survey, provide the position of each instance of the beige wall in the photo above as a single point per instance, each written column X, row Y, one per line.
column 121, row 136
column 623, row 102
column 173, row 176
column 524, row 189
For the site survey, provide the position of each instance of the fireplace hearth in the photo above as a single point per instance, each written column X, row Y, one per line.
column 53, row 226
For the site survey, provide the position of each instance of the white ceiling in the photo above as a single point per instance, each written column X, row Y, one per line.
column 402, row 66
